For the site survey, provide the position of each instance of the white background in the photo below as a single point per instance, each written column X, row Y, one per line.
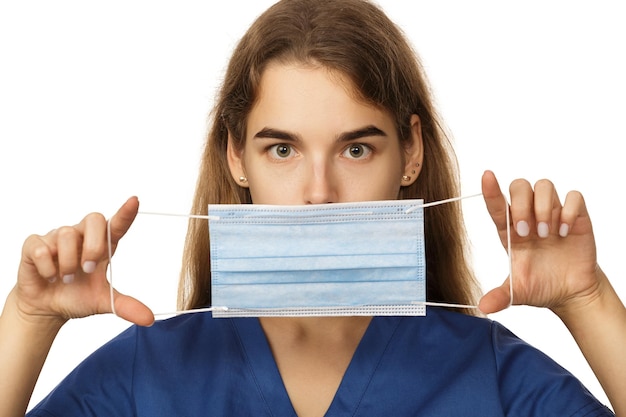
column 101, row 101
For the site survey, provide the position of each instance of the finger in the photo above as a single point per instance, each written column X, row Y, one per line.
column 521, row 206
column 132, row 310
column 37, row 254
column 573, row 209
column 94, row 241
column 547, row 208
column 494, row 200
column 496, row 300
column 69, row 240
column 119, row 223
column 123, row 219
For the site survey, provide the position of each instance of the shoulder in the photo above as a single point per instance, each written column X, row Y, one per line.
column 98, row 384
column 193, row 336
column 142, row 361
column 467, row 349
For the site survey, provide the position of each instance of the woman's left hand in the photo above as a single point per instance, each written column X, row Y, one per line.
column 554, row 265
column 552, row 244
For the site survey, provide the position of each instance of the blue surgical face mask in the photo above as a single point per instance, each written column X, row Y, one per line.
column 325, row 260
column 329, row 259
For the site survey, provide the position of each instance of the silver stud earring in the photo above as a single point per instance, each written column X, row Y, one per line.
column 243, row 180
column 406, row 178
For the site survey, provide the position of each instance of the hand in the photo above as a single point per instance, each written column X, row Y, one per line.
column 553, row 247
column 62, row 274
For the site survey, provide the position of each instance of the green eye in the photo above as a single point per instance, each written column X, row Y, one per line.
column 357, row 151
column 280, row 151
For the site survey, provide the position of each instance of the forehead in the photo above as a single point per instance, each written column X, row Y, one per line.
column 302, row 95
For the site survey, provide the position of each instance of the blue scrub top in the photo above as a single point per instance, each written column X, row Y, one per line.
column 444, row 364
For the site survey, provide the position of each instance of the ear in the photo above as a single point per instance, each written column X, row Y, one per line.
column 413, row 152
column 235, row 163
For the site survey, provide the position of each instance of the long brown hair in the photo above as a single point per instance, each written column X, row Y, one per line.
column 357, row 39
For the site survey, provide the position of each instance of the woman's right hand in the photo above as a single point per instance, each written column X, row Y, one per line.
column 62, row 274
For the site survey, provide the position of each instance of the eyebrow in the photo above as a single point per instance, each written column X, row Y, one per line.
column 367, row 131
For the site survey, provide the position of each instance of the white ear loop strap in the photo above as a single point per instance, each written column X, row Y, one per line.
column 508, row 250
column 110, row 268
column 223, row 308
column 508, row 244
column 110, row 271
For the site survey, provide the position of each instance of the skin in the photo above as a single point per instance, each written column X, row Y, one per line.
column 41, row 302
column 310, row 142
column 299, row 152
column 555, row 265
column 311, row 116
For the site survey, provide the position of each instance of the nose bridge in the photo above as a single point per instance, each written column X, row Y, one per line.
column 320, row 181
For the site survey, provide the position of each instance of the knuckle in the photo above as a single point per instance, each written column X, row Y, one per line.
column 519, row 184
column 95, row 217
column 40, row 252
column 66, row 233
column 574, row 198
column 32, row 240
column 544, row 183
column 575, row 194
column 32, row 243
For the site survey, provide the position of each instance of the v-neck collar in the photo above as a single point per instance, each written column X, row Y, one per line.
column 354, row 383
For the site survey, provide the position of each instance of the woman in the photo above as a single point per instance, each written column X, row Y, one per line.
column 306, row 74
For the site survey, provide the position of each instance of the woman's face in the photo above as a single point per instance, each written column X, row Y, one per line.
column 309, row 141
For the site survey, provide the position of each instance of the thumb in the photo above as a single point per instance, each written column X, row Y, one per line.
column 496, row 300
column 132, row 310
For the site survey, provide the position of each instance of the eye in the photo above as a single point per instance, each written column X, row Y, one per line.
column 280, row 151
column 357, row 151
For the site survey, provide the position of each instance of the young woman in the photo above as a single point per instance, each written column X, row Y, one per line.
column 324, row 102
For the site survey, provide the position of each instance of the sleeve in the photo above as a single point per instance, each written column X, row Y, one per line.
column 532, row 384
column 100, row 386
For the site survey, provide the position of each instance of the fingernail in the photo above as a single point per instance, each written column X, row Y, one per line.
column 89, row 267
column 563, row 230
column 522, row 228
column 68, row 279
column 542, row 229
